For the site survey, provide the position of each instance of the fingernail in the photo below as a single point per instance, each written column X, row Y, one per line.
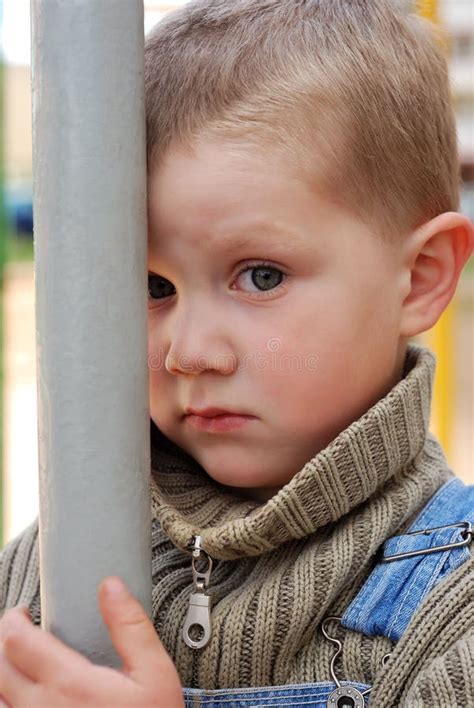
column 115, row 587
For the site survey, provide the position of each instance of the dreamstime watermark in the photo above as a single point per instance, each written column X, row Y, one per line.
column 271, row 360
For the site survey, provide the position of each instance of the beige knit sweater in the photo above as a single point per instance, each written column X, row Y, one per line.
column 282, row 566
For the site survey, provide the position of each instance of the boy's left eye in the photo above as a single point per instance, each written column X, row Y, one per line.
column 264, row 277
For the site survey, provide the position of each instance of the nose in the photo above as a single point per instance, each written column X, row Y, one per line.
column 199, row 342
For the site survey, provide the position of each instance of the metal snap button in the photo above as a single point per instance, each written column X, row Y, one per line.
column 346, row 697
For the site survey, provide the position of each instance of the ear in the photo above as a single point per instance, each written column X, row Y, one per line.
column 435, row 255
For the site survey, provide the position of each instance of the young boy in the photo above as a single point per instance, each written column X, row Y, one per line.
column 303, row 188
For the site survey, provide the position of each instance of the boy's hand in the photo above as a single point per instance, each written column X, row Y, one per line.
column 38, row 671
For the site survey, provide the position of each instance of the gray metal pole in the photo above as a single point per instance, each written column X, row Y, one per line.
column 89, row 164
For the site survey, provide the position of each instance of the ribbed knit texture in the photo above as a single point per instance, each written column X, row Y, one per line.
column 282, row 566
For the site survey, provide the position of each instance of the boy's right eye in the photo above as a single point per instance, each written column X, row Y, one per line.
column 159, row 287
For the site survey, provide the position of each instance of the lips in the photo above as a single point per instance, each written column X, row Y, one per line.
column 210, row 412
column 216, row 420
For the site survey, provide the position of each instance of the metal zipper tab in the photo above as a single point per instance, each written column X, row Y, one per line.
column 198, row 616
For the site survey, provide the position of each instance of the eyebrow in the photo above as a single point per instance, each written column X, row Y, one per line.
column 282, row 237
column 280, row 240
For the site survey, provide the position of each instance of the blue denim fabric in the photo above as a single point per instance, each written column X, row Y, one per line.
column 310, row 695
column 389, row 598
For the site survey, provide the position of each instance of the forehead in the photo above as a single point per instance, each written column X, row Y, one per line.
column 213, row 179
column 223, row 190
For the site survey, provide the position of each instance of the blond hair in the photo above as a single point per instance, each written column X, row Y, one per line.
column 353, row 92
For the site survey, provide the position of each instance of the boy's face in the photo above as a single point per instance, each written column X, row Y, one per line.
column 305, row 340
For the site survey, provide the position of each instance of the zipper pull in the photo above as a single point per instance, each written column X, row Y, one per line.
column 199, row 611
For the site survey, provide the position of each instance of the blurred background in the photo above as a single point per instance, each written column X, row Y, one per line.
column 452, row 339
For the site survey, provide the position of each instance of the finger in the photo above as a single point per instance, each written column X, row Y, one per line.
column 36, row 653
column 10, row 618
column 24, row 609
column 14, row 686
column 21, row 610
column 131, row 631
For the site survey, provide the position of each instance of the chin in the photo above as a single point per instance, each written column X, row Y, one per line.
column 232, row 477
column 228, row 476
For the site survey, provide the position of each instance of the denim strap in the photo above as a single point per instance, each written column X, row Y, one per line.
column 390, row 596
column 309, row 695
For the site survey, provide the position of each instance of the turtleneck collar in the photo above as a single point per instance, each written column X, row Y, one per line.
column 358, row 462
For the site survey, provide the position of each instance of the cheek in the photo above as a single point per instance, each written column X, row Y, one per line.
column 155, row 364
column 290, row 377
column 156, row 354
column 316, row 375
column 160, row 390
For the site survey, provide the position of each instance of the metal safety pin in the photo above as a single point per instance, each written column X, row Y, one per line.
column 466, row 535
